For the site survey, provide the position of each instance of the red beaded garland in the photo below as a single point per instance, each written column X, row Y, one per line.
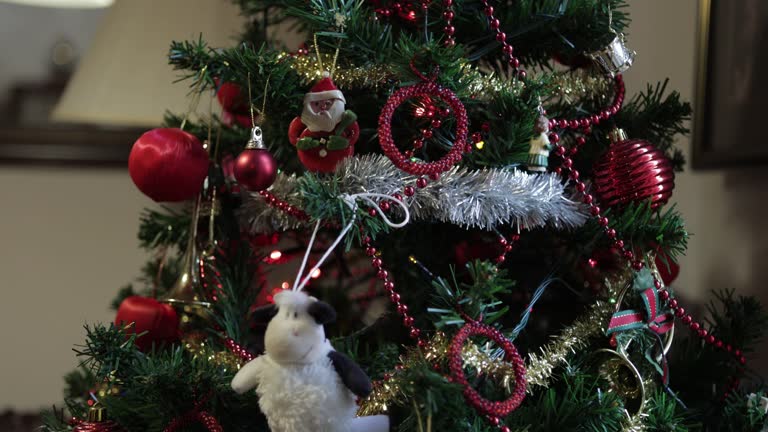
column 394, row 296
column 238, row 350
column 567, row 168
column 494, row 409
column 385, row 129
column 449, row 29
column 586, row 121
column 495, row 25
column 284, row 206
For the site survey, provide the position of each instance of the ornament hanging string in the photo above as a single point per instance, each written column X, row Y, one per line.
column 351, row 202
column 262, row 112
column 320, row 57
column 195, row 99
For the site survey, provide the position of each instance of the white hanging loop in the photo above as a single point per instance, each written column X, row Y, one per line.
column 351, row 201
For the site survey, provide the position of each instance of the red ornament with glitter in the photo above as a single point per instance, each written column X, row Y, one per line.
column 158, row 321
column 633, row 171
column 168, row 164
column 255, row 168
column 97, row 422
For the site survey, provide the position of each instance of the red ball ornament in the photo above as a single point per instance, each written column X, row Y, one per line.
column 158, row 320
column 668, row 268
column 255, row 168
column 232, row 98
column 633, row 171
column 168, row 164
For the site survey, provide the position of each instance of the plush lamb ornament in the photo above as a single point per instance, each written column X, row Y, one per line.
column 303, row 384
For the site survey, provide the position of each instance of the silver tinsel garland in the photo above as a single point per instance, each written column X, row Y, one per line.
column 471, row 198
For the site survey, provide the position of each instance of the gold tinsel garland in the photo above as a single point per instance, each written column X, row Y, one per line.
column 556, row 353
column 539, row 366
column 568, row 86
column 196, row 345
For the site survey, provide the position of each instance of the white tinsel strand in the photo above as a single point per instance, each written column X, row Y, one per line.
column 475, row 199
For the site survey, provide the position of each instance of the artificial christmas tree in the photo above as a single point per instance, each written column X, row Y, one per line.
column 487, row 237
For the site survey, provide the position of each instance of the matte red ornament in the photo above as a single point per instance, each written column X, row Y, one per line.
column 168, row 164
column 158, row 320
column 633, row 171
column 255, row 168
column 668, row 269
column 232, row 98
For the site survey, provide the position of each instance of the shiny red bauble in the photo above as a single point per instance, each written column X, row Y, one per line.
column 255, row 169
column 633, row 171
column 158, row 321
column 168, row 164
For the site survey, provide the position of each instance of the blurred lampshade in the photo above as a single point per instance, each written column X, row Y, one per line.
column 75, row 4
column 124, row 78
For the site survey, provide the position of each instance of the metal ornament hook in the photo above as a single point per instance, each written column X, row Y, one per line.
column 256, row 141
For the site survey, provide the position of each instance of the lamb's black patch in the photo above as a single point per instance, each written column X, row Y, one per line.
column 351, row 375
column 322, row 312
column 264, row 314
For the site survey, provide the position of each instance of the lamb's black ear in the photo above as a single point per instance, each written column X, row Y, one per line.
column 322, row 312
column 264, row 314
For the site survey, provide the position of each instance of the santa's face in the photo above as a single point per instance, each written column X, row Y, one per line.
column 322, row 105
column 322, row 115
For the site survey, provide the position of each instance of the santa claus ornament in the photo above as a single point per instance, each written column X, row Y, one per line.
column 325, row 133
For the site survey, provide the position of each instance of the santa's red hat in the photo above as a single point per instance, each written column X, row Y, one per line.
column 324, row 89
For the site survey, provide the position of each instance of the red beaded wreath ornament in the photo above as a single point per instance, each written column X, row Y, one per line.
column 431, row 89
column 493, row 409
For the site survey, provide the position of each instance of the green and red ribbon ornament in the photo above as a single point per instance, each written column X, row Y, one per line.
column 654, row 318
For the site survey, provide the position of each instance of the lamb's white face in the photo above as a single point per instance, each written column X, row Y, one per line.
column 293, row 336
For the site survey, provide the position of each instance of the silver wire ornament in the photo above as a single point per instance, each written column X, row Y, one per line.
column 615, row 58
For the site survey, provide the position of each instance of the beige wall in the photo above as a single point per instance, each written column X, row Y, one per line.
column 724, row 210
column 68, row 243
column 69, row 234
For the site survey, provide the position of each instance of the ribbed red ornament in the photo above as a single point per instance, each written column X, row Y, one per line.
column 168, row 164
column 633, row 171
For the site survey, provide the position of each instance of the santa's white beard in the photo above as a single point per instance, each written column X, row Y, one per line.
column 323, row 121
